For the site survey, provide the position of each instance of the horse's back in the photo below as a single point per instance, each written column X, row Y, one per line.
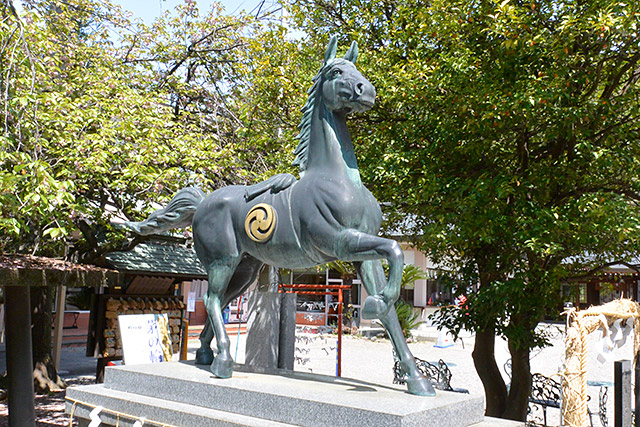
column 213, row 232
column 222, row 228
column 308, row 218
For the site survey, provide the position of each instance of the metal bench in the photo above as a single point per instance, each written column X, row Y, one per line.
column 439, row 375
column 545, row 393
column 603, row 396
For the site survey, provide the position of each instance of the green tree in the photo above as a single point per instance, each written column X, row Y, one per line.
column 409, row 318
column 509, row 129
column 103, row 117
column 410, row 274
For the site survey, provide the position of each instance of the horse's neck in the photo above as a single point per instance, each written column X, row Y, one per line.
column 330, row 146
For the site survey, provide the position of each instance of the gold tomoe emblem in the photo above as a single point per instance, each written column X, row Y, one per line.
column 260, row 222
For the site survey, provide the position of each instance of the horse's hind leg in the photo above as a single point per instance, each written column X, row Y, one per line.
column 373, row 278
column 243, row 276
column 204, row 355
column 219, row 275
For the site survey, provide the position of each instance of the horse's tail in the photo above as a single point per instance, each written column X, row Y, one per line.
column 177, row 214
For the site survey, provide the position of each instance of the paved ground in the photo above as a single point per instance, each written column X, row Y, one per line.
column 372, row 360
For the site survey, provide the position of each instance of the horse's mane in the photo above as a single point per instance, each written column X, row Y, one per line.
column 305, row 124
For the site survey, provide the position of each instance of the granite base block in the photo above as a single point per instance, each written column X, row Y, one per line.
column 186, row 391
column 498, row 422
column 163, row 411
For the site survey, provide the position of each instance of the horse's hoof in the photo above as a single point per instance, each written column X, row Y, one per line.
column 204, row 356
column 420, row 387
column 374, row 306
column 222, row 367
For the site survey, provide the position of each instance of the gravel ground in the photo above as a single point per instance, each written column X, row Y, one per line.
column 50, row 407
column 372, row 360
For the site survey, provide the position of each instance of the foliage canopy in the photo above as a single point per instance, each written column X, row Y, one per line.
column 509, row 129
column 104, row 116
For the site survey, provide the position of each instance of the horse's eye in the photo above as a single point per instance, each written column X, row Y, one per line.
column 337, row 72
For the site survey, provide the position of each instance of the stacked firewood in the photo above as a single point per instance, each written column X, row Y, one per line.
column 171, row 306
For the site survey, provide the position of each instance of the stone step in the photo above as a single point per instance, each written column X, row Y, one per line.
column 294, row 397
column 132, row 407
column 498, row 422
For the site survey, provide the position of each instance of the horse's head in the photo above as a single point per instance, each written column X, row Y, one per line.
column 338, row 89
column 344, row 88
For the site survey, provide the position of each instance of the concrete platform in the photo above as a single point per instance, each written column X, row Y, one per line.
column 184, row 394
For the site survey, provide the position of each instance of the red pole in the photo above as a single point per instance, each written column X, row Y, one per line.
column 326, row 290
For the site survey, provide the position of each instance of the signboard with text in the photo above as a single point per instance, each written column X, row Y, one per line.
column 141, row 338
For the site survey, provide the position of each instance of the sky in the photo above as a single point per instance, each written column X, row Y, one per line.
column 148, row 10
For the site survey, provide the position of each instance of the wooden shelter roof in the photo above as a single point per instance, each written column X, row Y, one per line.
column 159, row 258
column 28, row 270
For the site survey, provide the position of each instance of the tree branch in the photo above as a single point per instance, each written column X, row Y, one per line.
column 614, row 81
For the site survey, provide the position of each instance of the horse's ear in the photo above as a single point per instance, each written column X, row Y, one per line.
column 331, row 49
column 352, row 53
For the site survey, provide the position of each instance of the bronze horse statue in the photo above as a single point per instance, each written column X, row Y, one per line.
column 327, row 214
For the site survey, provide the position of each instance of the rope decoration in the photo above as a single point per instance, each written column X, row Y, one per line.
column 139, row 421
column 165, row 337
column 579, row 325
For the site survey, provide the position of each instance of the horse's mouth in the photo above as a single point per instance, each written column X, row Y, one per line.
column 366, row 104
column 361, row 105
column 358, row 105
column 356, row 108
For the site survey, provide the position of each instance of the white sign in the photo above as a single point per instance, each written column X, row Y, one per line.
column 141, row 338
column 191, row 302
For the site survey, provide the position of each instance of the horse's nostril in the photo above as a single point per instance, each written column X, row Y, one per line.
column 360, row 88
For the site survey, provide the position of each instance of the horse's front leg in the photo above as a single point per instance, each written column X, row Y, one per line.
column 372, row 276
column 356, row 246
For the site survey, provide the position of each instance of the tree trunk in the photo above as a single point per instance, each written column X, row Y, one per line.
column 45, row 376
column 484, row 358
column 518, row 398
column 485, row 363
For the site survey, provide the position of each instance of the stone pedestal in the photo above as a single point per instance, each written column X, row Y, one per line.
column 183, row 394
column 271, row 330
column 263, row 329
column 287, row 338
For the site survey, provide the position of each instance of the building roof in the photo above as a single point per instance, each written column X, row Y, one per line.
column 27, row 270
column 159, row 258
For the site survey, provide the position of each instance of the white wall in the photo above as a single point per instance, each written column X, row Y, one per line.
column 417, row 258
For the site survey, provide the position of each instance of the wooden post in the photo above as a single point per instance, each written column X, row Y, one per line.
column 185, row 339
column 2, row 323
column 622, row 399
column 19, row 357
column 59, row 324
